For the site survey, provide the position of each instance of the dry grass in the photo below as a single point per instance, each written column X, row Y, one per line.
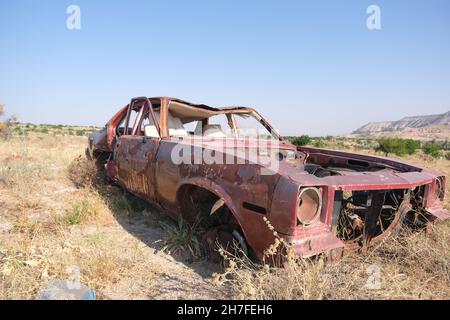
column 56, row 223
column 44, row 217
column 411, row 266
column 59, row 220
column 82, row 172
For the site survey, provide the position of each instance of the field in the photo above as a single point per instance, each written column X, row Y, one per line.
column 59, row 221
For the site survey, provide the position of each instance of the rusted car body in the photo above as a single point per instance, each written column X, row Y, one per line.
column 319, row 200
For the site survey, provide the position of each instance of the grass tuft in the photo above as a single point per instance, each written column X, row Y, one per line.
column 183, row 237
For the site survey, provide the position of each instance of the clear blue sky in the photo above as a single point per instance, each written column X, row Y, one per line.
column 309, row 66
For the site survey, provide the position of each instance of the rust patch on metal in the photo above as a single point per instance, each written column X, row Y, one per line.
column 362, row 198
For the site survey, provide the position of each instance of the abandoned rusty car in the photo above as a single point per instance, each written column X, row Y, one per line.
column 318, row 200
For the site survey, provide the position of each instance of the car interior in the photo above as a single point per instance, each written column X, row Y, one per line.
column 182, row 117
column 186, row 120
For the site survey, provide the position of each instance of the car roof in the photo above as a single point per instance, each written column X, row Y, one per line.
column 204, row 106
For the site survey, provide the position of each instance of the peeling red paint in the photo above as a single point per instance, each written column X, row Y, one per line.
column 377, row 194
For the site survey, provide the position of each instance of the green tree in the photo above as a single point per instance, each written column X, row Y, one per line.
column 301, row 141
column 397, row 146
column 432, row 149
column 412, row 145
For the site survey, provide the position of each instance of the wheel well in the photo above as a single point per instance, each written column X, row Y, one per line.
column 101, row 155
column 199, row 203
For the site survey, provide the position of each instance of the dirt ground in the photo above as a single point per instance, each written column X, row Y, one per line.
column 116, row 244
column 49, row 228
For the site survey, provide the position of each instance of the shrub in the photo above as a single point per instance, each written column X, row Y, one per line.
column 319, row 143
column 301, row 141
column 432, row 149
column 445, row 145
column 412, row 146
column 82, row 172
column 7, row 127
column 397, row 146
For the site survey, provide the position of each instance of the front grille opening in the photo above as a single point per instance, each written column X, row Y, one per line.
column 417, row 217
column 365, row 215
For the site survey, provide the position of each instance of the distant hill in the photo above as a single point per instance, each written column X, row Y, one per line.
column 418, row 127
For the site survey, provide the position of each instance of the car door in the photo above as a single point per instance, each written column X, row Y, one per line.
column 136, row 149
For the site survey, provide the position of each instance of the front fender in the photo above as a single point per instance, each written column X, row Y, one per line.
column 213, row 188
column 255, row 230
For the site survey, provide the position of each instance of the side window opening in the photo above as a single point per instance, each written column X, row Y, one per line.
column 216, row 127
column 176, row 127
column 190, row 126
column 133, row 117
column 120, row 130
column 148, row 127
column 249, row 127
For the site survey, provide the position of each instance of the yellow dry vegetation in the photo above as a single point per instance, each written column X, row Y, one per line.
column 54, row 220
